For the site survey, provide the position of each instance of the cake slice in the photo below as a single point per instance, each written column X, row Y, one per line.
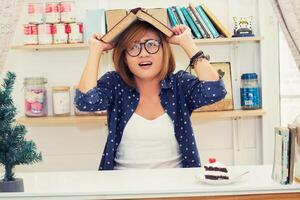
column 215, row 170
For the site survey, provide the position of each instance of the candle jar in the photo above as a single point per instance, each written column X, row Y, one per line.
column 35, row 13
column 61, row 101
column 250, row 92
column 35, row 97
column 67, row 11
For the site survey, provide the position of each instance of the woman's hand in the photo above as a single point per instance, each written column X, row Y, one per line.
column 96, row 45
column 182, row 35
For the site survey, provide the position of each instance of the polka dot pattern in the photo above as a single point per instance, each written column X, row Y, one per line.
column 180, row 94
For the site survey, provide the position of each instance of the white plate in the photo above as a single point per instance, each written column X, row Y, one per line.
column 233, row 177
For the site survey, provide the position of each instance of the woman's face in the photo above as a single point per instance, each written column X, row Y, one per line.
column 145, row 56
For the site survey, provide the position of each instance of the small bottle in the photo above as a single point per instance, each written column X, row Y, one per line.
column 61, row 101
column 35, row 97
column 250, row 92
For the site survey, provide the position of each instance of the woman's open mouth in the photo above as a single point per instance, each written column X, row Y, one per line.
column 145, row 65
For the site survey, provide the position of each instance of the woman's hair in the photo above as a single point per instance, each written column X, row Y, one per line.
column 136, row 31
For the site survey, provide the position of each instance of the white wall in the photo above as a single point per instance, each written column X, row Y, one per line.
column 289, row 84
column 79, row 147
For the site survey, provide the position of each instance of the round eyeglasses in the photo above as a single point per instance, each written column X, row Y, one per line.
column 151, row 46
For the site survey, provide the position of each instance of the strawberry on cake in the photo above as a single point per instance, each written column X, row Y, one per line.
column 215, row 170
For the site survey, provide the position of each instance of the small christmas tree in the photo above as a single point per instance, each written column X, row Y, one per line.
column 14, row 148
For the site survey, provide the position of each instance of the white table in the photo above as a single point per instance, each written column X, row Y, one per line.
column 158, row 183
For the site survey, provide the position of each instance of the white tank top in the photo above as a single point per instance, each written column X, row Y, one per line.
column 148, row 144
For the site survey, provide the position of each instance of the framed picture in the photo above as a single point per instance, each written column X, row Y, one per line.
column 224, row 70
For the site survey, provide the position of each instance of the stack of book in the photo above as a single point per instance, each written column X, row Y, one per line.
column 286, row 154
column 202, row 22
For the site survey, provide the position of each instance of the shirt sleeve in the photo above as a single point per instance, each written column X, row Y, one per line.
column 98, row 98
column 199, row 93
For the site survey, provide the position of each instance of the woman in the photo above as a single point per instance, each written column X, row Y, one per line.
column 148, row 106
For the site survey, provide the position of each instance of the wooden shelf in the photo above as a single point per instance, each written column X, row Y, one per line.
column 50, row 120
column 227, row 114
column 50, row 46
column 228, row 40
column 84, row 45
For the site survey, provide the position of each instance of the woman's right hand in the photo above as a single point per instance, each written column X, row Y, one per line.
column 97, row 45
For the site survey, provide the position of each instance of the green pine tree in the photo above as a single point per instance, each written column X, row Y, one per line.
column 14, row 148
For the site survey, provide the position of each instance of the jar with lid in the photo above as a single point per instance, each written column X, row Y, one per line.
column 34, row 12
column 67, row 11
column 250, row 92
column 61, row 100
column 35, row 97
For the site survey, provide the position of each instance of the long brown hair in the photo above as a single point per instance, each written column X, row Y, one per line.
column 136, row 31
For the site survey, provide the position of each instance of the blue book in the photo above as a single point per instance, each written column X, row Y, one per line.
column 172, row 17
column 191, row 23
column 181, row 15
column 207, row 21
column 94, row 22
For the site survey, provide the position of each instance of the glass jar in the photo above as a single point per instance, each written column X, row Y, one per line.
column 250, row 92
column 52, row 12
column 35, row 13
column 35, row 97
column 67, row 11
column 61, row 105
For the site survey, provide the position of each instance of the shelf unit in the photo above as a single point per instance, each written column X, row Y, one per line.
column 96, row 119
column 232, row 40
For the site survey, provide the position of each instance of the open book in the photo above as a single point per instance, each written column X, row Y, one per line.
column 134, row 15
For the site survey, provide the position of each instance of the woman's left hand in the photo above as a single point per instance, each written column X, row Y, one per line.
column 182, row 35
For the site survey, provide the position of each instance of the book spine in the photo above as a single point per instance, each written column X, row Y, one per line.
column 201, row 22
column 192, row 25
column 176, row 15
column 297, row 152
column 277, row 162
column 293, row 131
column 285, row 167
column 207, row 21
column 181, row 15
column 196, row 23
column 94, row 23
column 216, row 22
column 172, row 17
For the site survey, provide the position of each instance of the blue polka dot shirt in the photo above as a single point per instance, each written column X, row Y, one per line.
column 180, row 94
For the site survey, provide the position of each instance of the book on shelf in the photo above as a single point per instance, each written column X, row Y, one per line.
column 191, row 23
column 94, row 22
column 182, row 19
column 172, row 17
column 215, row 21
column 207, row 21
column 284, row 154
column 134, row 15
column 224, row 70
column 200, row 21
column 293, row 149
column 198, row 25
column 297, row 153
column 178, row 19
column 277, row 159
